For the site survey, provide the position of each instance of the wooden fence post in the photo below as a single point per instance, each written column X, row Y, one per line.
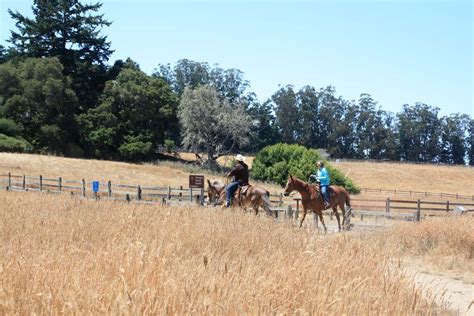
column 180, row 192
column 9, row 183
column 387, row 205
column 169, row 193
column 191, row 195
column 418, row 210
column 139, row 193
column 83, row 187
column 24, row 182
column 201, row 199
column 109, row 189
column 280, row 202
column 41, row 183
column 60, row 184
column 289, row 212
column 447, row 206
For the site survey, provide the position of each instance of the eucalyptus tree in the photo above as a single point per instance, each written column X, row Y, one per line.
column 287, row 114
column 229, row 83
column 454, row 138
column 419, row 133
column 308, row 106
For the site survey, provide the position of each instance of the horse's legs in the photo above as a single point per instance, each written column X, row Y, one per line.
column 343, row 210
column 320, row 214
column 304, row 215
column 254, row 201
column 334, row 209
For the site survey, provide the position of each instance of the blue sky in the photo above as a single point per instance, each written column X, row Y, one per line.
column 398, row 51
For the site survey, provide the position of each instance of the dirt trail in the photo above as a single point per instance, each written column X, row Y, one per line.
column 456, row 295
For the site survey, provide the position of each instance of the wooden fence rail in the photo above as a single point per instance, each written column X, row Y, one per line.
column 440, row 195
column 166, row 194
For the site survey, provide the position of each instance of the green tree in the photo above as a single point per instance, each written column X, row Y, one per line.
column 286, row 112
column 39, row 99
column 229, row 83
column 69, row 30
column 419, row 133
column 211, row 124
column 263, row 130
column 454, row 145
column 135, row 113
column 308, row 107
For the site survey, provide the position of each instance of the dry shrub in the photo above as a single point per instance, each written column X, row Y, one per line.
column 68, row 255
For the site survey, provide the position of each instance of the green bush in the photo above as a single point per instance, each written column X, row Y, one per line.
column 11, row 144
column 170, row 146
column 8, row 127
column 274, row 163
column 135, row 148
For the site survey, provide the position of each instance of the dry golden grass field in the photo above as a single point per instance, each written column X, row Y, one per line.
column 68, row 255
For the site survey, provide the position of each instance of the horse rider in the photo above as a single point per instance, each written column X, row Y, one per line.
column 322, row 175
column 240, row 174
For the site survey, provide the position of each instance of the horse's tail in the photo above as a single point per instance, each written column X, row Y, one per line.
column 266, row 202
column 348, row 203
column 348, row 199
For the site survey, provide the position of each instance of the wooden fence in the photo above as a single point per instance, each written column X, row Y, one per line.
column 169, row 195
column 420, row 194
column 164, row 195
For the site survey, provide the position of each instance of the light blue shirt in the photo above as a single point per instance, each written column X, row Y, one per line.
column 323, row 176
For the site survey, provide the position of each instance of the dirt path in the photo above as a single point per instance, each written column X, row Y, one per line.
column 456, row 295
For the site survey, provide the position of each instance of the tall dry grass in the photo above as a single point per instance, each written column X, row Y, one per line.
column 443, row 245
column 60, row 254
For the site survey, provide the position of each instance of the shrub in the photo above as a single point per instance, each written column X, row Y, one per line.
column 8, row 127
column 135, row 148
column 11, row 144
column 274, row 163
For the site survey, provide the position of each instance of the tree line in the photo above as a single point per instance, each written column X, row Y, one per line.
column 59, row 95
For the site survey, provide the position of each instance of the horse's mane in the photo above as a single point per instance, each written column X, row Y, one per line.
column 305, row 185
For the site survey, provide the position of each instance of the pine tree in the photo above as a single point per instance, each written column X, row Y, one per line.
column 70, row 31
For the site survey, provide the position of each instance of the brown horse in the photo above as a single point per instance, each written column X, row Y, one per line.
column 339, row 196
column 252, row 196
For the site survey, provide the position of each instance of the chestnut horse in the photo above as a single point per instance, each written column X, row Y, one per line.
column 339, row 196
column 253, row 196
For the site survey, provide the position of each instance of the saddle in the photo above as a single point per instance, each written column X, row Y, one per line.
column 315, row 191
column 241, row 191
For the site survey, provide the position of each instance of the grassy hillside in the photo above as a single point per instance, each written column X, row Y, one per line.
column 417, row 177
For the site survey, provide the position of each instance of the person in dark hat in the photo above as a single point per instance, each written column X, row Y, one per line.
column 240, row 175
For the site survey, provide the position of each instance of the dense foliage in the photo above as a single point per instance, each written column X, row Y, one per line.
column 274, row 163
column 58, row 95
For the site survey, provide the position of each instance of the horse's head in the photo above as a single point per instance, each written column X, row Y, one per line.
column 290, row 186
column 214, row 190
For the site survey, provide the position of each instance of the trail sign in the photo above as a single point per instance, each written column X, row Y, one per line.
column 196, row 181
column 95, row 186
